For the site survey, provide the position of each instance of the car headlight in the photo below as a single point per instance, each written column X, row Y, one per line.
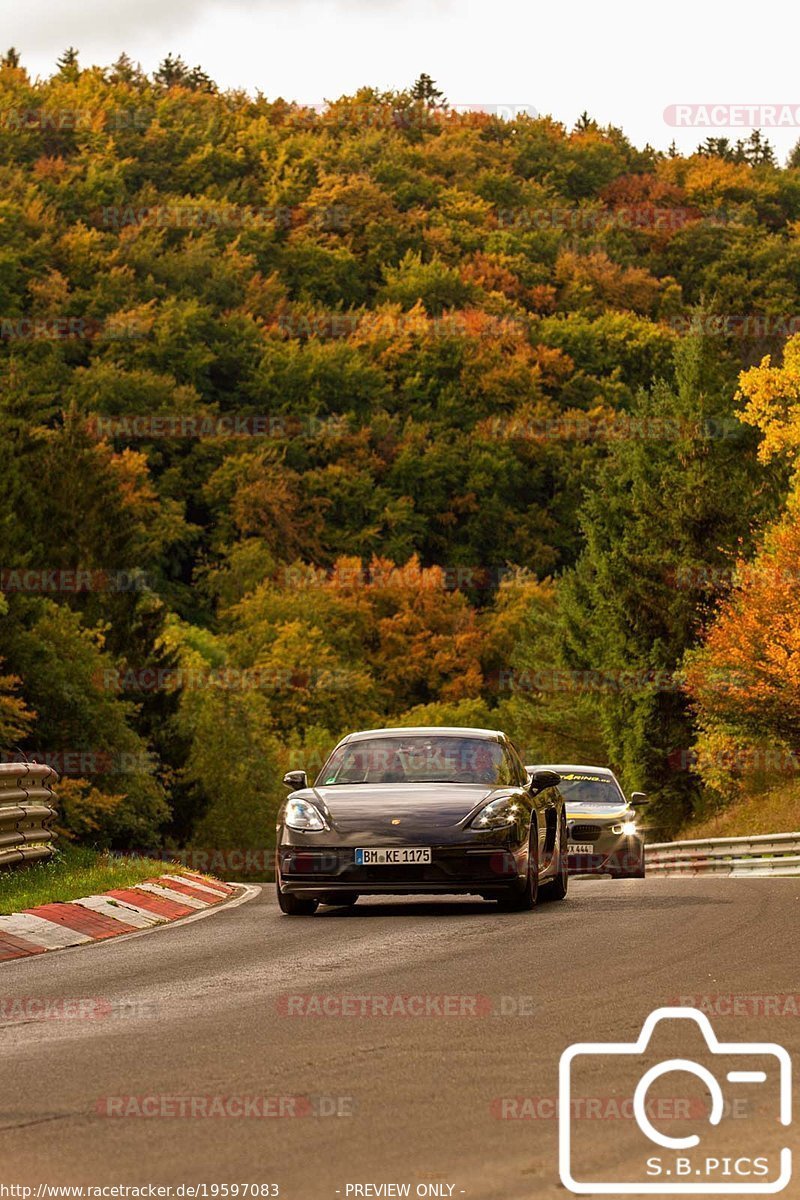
column 629, row 828
column 496, row 815
column 303, row 815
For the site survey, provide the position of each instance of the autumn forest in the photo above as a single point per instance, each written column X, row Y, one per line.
column 377, row 412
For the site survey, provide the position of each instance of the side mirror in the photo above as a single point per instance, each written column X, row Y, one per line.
column 295, row 780
column 638, row 799
column 539, row 780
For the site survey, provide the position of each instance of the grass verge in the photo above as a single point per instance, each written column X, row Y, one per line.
column 75, row 871
column 775, row 811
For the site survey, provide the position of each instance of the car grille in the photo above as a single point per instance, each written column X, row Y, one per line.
column 585, row 833
column 451, row 864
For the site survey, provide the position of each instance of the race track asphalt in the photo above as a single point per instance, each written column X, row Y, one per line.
column 217, row 1011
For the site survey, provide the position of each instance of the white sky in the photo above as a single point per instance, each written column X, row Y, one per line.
column 624, row 61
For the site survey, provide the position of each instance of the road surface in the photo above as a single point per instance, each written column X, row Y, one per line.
column 202, row 1010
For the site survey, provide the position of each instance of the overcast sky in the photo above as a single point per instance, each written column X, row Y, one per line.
column 623, row 61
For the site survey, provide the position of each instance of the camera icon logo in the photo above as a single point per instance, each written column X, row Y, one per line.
column 733, row 1079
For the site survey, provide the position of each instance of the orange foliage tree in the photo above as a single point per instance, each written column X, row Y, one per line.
column 745, row 678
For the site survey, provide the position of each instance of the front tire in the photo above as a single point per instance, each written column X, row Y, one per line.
column 556, row 889
column 295, row 906
column 525, row 898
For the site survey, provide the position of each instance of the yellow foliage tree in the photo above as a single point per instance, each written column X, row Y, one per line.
column 773, row 402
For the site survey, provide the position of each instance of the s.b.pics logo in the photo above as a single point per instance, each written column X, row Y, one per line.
column 725, row 1127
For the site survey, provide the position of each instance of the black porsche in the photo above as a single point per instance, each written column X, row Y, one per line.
column 421, row 810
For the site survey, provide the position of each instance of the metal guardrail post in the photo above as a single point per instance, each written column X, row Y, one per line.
column 27, row 808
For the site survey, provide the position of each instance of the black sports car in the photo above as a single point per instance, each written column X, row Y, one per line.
column 421, row 810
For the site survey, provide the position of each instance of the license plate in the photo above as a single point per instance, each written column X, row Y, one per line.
column 580, row 848
column 397, row 856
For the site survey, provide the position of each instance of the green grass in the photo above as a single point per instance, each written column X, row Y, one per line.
column 74, row 872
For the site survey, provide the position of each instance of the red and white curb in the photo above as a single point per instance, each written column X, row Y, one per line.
column 95, row 918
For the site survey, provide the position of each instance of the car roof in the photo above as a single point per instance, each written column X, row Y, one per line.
column 561, row 768
column 426, row 730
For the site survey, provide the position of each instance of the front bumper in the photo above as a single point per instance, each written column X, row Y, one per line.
column 454, row 869
column 611, row 853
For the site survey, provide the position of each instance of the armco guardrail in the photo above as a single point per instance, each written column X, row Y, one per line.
column 770, row 854
column 27, row 808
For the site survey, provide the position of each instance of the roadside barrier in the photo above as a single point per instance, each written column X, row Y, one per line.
column 769, row 854
column 27, row 808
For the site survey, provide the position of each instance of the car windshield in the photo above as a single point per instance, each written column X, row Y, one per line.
column 418, row 759
column 589, row 789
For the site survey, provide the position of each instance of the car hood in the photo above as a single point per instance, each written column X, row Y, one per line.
column 371, row 807
column 597, row 812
